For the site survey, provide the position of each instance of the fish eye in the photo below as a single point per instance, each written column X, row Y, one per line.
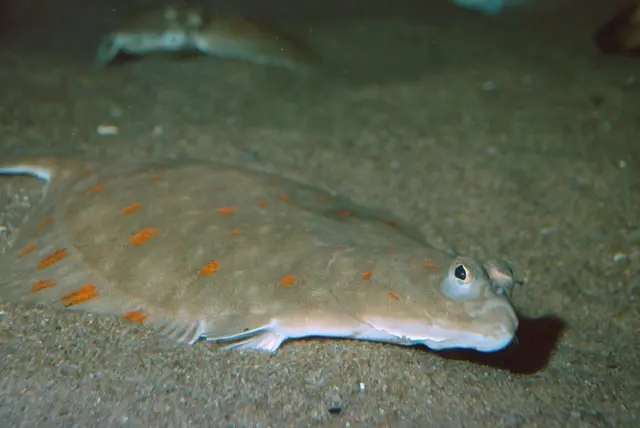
column 465, row 281
column 461, row 273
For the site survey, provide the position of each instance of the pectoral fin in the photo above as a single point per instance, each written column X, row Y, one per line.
column 245, row 332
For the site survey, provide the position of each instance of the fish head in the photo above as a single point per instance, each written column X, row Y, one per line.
column 169, row 29
column 480, row 315
column 458, row 302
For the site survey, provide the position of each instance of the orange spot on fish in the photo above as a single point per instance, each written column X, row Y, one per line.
column 394, row 296
column 143, row 236
column 430, row 265
column 284, row 197
column 220, row 188
column 81, row 295
column 392, row 251
column 53, row 258
column 42, row 285
column 154, row 177
column 235, row 233
column 28, row 250
column 367, row 275
column 135, row 316
column 345, row 213
column 130, row 209
column 210, row 268
column 263, row 203
column 288, row 281
column 45, row 223
column 226, row 210
column 97, row 189
column 86, row 171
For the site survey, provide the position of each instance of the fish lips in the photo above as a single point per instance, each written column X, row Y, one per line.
column 489, row 328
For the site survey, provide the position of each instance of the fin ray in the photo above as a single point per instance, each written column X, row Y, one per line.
column 245, row 332
column 265, row 341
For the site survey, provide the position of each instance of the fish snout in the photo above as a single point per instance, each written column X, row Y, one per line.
column 494, row 326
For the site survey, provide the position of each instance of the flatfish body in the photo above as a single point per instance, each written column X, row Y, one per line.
column 179, row 28
column 245, row 259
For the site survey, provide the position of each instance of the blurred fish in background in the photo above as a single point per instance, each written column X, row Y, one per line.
column 621, row 34
column 489, row 7
column 179, row 28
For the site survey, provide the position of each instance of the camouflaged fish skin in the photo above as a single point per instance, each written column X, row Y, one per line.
column 244, row 259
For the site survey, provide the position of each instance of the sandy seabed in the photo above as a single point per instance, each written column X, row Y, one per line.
column 506, row 136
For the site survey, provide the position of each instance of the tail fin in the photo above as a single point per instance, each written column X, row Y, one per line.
column 42, row 264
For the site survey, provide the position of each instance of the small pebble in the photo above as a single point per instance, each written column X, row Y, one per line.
column 546, row 231
column 105, row 130
column 619, row 257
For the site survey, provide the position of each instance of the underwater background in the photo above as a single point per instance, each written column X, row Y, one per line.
column 498, row 129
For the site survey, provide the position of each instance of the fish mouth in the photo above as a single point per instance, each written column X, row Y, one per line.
column 490, row 329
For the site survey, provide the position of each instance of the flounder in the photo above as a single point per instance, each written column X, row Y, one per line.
column 242, row 258
column 182, row 29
